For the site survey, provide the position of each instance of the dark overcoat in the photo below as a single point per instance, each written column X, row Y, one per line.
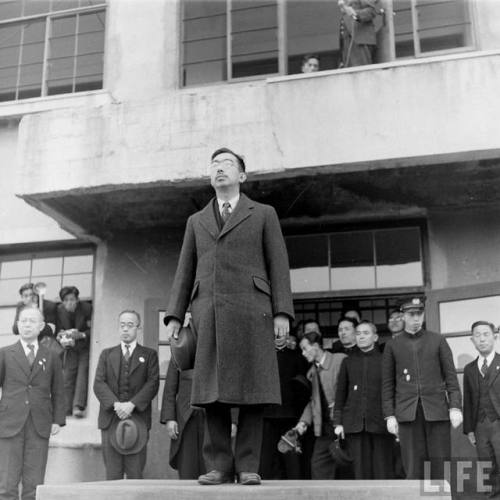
column 235, row 281
column 37, row 391
column 472, row 392
column 417, row 368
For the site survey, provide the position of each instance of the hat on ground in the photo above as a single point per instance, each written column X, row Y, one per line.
column 129, row 436
column 413, row 303
column 340, row 456
column 184, row 348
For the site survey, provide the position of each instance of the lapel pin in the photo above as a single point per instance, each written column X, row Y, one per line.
column 407, row 378
column 405, row 371
column 141, row 359
column 355, row 387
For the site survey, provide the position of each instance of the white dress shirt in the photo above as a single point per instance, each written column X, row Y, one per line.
column 27, row 349
column 233, row 202
column 489, row 360
column 132, row 345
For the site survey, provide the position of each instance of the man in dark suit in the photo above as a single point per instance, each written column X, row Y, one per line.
column 358, row 408
column 482, row 400
column 126, row 381
column 31, row 407
column 185, row 424
column 420, row 393
column 233, row 270
column 73, row 319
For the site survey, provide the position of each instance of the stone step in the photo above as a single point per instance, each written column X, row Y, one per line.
column 268, row 490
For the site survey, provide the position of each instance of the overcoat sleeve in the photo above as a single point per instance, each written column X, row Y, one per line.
column 102, row 390
column 150, row 388
column 450, row 375
column 388, row 381
column 58, row 395
column 184, row 276
column 168, row 410
column 468, row 402
column 277, row 264
column 341, row 393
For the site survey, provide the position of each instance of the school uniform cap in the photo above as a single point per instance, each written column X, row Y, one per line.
column 413, row 303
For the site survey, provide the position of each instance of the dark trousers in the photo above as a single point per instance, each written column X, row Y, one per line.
column 371, row 454
column 488, row 448
column 423, row 441
column 217, row 450
column 117, row 464
column 23, row 457
column 273, row 464
column 76, row 377
column 190, row 463
column 322, row 463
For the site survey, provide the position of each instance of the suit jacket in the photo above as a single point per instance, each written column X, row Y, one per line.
column 358, row 401
column 328, row 376
column 471, row 391
column 419, row 367
column 36, row 390
column 82, row 320
column 235, row 279
column 143, row 382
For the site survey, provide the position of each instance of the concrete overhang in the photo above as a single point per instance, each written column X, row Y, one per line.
column 310, row 196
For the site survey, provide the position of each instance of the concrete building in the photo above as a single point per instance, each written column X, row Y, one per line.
column 385, row 177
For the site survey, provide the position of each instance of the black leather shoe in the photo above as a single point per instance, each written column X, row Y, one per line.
column 215, row 477
column 248, row 478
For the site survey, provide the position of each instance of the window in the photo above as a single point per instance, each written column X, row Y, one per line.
column 422, row 27
column 224, row 40
column 50, row 47
column 356, row 260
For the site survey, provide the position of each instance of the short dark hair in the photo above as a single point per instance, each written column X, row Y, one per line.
column 313, row 338
column 372, row 326
column 483, row 323
column 348, row 318
column 132, row 311
column 310, row 56
column 27, row 286
column 240, row 159
column 311, row 320
column 67, row 290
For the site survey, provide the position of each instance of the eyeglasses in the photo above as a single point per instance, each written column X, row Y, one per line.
column 226, row 162
column 127, row 325
column 395, row 318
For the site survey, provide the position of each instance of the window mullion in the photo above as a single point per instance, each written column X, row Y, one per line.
column 414, row 23
column 75, row 53
column 282, row 37
column 229, row 41
column 46, row 55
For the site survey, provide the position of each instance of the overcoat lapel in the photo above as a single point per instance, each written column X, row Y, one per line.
column 135, row 360
column 242, row 211
column 208, row 221
column 114, row 360
column 494, row 369
column 20, row 356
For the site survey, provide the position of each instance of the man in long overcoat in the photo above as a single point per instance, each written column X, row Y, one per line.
column 233, row 274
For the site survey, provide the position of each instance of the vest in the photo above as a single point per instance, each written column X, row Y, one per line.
column 486, row 408
column 123, row 381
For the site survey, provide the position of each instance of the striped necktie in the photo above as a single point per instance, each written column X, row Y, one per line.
column 31, row 354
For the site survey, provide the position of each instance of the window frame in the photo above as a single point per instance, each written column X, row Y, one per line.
column 49, row 16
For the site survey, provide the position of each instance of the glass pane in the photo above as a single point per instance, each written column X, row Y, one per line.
column 458, row 315
column 9, row 290
column 205, row 28
column 398, row 258
column 10, row 9
column 53, row 286
column 92, row 23
column 162, row 329
column 91, row 43
column 403, row 29
column 7, row 315
column 163, row 358
column 202, row 8
column 89, row 67
column 82, row 281
column 32, row 7
column 63, row 5
column 312, row 28
column 52, row 265
column 205, row 50
column 15, row 269
column 463, row 350
column 195, row 74
column 308, row 263
column 79, row 264
column 352, row 261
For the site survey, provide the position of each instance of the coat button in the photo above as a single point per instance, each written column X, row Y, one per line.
column 27, row 402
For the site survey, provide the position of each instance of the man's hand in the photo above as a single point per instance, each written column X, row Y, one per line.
column 55, row 429
column 173, row 327
column 339, row 431
column 124, row 410
column 392, row 426
column 301, row 428
column 472, row 438
column 281, row 325
column 455, row 417
column 172, row 429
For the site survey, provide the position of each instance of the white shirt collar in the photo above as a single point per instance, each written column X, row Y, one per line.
column 132, row 345
column 319, row 364
column 26, row 348
column 233, row 202
column 489, row 359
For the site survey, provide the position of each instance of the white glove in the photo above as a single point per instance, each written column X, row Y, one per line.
column 455, row 417
column 392, row 425
column 339, row 431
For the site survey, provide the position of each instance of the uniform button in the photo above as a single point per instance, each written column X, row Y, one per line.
column 27, row 402
column 30, row 386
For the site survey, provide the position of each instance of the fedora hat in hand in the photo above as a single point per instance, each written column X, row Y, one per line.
column 340, row 456
column 129, row 436
column 184, row 348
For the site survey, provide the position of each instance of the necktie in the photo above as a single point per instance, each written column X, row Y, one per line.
column 484, row 367
column 226, row 211
column 31, row 354
column 127, row 352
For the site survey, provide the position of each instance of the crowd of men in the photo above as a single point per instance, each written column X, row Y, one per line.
column 255, row 395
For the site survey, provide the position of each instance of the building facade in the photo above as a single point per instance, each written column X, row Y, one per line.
column 385, row 177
